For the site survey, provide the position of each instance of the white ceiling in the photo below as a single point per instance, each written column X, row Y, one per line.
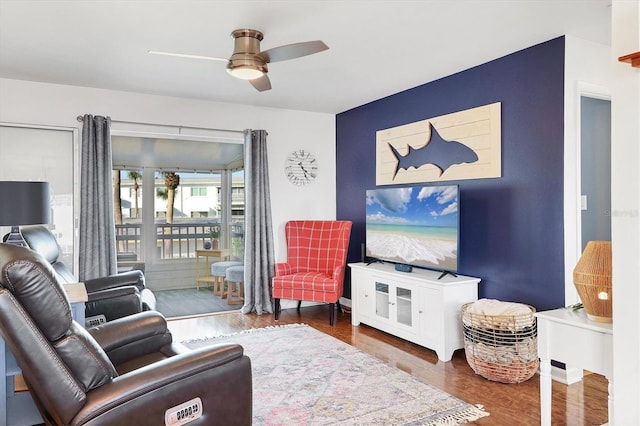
column 376, row 48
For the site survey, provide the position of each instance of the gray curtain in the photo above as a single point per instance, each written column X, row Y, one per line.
column 258, row 248
column 97, row 228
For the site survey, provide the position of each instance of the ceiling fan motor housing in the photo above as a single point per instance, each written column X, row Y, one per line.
column 246, row 51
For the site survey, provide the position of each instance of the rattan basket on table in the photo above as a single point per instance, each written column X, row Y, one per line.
column 502, row 348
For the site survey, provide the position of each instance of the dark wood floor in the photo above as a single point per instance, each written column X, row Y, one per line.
column 583, row 403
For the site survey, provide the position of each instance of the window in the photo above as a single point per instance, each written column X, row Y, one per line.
column 198, row 192
column 182, row 216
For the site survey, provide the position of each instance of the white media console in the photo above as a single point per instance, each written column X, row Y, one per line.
column 416, row 305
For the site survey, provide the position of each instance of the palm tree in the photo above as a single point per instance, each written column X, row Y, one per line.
column 171, row 181
column 135, row 176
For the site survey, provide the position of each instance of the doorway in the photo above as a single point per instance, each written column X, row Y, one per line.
column 180, row 192
column 595, row 169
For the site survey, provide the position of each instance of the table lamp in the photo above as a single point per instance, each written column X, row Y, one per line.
column 592, row 278
column 23, row 203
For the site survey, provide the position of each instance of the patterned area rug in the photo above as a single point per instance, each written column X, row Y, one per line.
column 302, row 376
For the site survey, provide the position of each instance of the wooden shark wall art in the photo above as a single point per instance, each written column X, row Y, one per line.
column 460, row 145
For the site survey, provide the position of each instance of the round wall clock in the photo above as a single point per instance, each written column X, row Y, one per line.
column 301, row 167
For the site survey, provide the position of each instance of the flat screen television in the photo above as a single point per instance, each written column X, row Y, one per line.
column 417, row 226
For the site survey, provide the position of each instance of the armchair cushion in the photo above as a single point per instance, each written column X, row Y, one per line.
column 87, row 361
column 316, row 286
column 220, row 376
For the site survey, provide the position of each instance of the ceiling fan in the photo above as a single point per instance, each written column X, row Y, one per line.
column 249, row 63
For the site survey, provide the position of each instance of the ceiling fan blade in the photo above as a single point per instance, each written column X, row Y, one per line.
column 291, row 51
column 261, row 83
column 187, row 55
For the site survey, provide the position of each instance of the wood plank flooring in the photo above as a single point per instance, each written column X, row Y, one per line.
column 583, row 403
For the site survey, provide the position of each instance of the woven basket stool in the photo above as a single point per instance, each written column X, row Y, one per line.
column 501, row 348
column 219, row 272
column 235, row 285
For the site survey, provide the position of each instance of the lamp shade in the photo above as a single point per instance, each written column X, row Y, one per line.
column 592, row 279
column 24, row 203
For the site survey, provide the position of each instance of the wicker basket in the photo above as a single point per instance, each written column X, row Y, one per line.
column 502, row 348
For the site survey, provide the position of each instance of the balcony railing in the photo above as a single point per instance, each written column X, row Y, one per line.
column 178, row 240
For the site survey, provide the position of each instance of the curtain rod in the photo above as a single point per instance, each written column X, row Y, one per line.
column 80, row 118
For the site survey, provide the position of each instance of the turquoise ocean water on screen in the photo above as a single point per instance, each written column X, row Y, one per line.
column 427, row 246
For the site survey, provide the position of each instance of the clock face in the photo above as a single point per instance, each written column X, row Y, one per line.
column 301, row 167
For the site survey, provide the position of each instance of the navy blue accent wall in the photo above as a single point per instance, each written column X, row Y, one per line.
column 511, row 232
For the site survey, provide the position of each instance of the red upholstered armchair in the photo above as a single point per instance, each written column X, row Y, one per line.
column 316, row 262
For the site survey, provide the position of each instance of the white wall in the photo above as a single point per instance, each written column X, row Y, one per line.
column 587, row 72
column 594, row 70
column 58, row 105
column 625, row 207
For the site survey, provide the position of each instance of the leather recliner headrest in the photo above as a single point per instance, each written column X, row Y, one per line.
column 42, row 241
column 34, row 283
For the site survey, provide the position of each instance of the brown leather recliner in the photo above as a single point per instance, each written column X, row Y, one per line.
column 111, row 297
column 126, row 371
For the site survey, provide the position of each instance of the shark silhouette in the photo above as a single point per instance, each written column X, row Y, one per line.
column 438, row 151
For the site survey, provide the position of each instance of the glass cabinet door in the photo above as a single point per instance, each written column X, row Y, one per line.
column 403, row 306
column 382, row 300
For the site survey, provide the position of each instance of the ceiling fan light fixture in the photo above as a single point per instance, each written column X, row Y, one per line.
column 248, row 62
column 246, row 72
column 246, row 67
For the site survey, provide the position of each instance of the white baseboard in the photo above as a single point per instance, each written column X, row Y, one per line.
column 568, row 377
column 345, row 302
column 290, row 304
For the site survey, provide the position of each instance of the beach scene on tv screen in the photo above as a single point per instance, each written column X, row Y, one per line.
column 416, row 226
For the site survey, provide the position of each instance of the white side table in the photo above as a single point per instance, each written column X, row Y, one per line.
column 570, row 337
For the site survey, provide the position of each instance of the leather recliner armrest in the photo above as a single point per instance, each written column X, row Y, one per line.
column 132, row 336
column 114, row 303
column 129, row 329
column 134, row 277
column 219, row 375
column 110, row 293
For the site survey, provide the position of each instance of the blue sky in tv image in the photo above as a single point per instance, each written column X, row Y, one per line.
column 414, row 225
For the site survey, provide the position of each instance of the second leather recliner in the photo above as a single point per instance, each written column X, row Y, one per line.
column 111, row 297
